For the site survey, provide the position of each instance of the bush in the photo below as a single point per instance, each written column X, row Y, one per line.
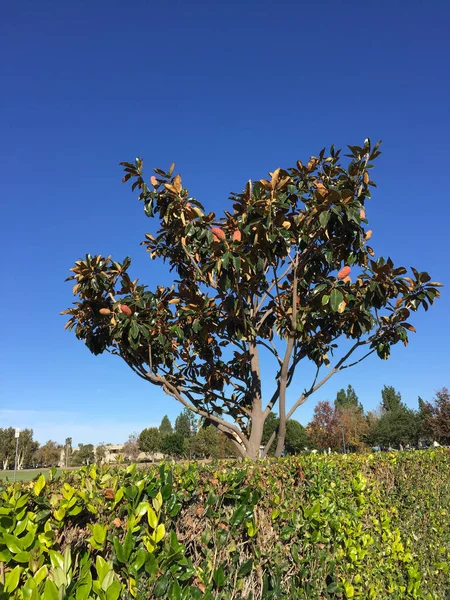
column 310, row 527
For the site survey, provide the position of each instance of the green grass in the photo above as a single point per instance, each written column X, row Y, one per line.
column 26, row 475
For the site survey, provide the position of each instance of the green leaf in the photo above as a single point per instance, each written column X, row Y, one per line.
column 99, row 533
column 219, row 576
column 336, row 298
column 245, row 568
column 50, row 591
column 12, row 579
column 324, row 217
column 41, row 574
column 157, row 502
column 102, row 568
column 120, row 555
column 59, row 577
column 139, row 560
column 152, row 518
column 22, row 557
column 107, row 581
column 349, row 590
column 84, row 588
column 159, row 533
column 113, row 592
column 12, row 543
column 56, row 559
column 39, row 485
column 128, row 544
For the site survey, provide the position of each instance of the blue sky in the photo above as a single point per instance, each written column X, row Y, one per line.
column 229, row 91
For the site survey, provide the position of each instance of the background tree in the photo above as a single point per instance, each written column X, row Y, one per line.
column 183, row 425
column 323, row 429
column 351, row 416
column 226, row 449
column 7, row 447
column 26, row 448
column 83, row 456
column 165, row 427
column 131, row 449
column 269, row 429
column 348, row 398
column 149, row 440
column 206, row 443
column 437, row 417
column 296, row 438
column 287, row 272
column 372, row 418
column 100, row 454
column 49, row 455
column 174, row 444
column 67, row 451
column 397, row 427
column 391, row 399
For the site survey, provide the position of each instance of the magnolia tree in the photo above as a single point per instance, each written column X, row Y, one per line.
column 287, row 271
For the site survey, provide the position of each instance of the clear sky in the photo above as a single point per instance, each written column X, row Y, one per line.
column 229, row 91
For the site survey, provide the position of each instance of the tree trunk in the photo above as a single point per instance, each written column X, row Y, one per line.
column 254, row 442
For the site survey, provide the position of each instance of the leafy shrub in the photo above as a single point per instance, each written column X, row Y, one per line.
column 310, row 527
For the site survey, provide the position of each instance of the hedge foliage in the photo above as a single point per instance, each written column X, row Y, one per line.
column 310, row 527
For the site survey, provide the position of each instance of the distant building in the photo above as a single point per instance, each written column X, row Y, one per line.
column 112, row 454
column 113, row 451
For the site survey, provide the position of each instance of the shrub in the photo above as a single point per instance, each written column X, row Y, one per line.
column 309, row 527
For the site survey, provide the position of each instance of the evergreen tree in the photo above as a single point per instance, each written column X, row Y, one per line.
column 183, row 424
column 174, row 444
column 149, row 440
column 166, row 426
column 296, row 437
column 345, row 399
column 391, row 400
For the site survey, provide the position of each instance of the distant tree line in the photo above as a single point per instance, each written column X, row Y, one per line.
column 391, row 425
column 189, row 437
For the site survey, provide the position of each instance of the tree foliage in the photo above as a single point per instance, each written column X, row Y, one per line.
column 165, row 427
column 149, row 440
column 174, row 444
column 435, row 417
column 391, row 399
column 49, row 454
column 84, row 455
column 183, row 424
column 287, row 271
column 348, row 398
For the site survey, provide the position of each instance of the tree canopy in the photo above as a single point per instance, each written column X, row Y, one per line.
column 287, row 272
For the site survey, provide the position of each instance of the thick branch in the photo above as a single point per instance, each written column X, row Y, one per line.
column 176, row 393
column 302, row 399
column 285, row 365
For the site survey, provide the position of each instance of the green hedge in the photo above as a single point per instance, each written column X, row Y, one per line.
column 311, row 527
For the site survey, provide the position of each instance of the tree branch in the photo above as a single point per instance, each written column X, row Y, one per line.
column 176, row 393
column 302, row 399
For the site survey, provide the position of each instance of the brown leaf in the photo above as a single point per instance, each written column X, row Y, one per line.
column 171, row 188
column 117, row 522
column 177, row 183
column 275, row 175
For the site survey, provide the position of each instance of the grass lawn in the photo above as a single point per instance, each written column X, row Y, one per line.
column 25, row 475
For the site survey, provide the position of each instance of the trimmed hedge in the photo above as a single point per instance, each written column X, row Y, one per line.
column 310, row 527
